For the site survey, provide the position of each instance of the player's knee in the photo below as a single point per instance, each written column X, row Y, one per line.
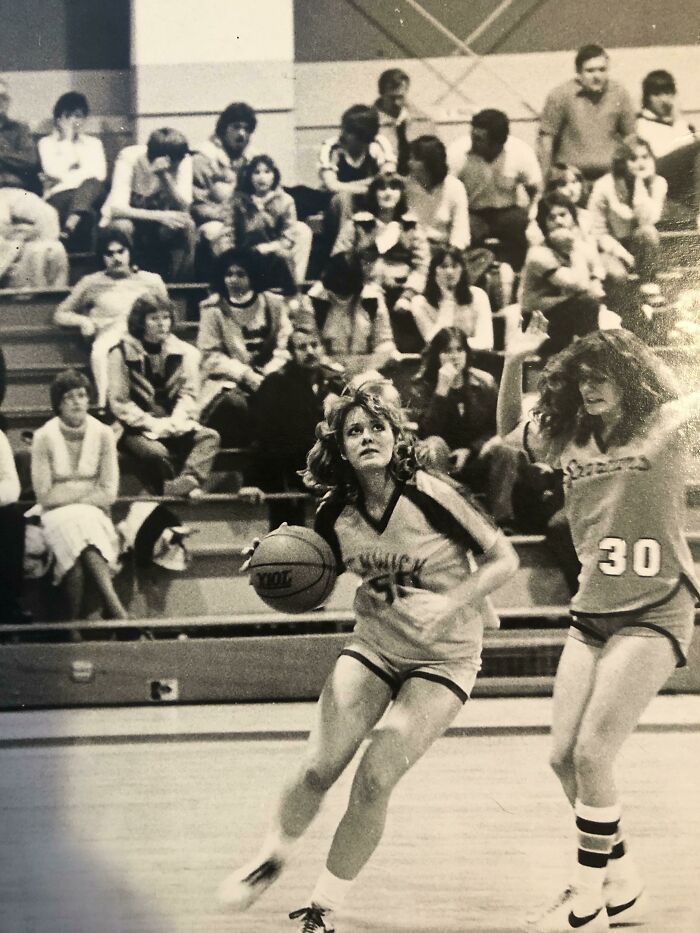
column 320, row 780
column 589, row 755
column 374, row 779
column 561, row 761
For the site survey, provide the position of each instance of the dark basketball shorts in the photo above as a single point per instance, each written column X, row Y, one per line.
column 673, row 619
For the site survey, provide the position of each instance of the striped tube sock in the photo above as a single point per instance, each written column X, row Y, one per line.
column 616, row 860
column 596, row 828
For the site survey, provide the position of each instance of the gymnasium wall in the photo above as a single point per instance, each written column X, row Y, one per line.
column 343, row 45
column 147, row 63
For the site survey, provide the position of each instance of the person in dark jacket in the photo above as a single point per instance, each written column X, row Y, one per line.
column 457, row 402
column 287, row 407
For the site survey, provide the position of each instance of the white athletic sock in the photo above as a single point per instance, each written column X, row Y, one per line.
column 596, row 828
column 330, row 891
column 276, row 845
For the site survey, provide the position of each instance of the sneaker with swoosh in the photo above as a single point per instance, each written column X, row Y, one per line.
column 561, row 917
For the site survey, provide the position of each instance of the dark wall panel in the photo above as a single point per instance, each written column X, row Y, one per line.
column 355, row 30
column 48, row 35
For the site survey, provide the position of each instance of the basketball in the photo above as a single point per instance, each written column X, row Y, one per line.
column 293, row 569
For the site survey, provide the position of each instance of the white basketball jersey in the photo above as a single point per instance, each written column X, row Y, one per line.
column 408, row 562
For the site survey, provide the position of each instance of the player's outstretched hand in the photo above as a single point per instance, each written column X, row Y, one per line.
column 530, row 340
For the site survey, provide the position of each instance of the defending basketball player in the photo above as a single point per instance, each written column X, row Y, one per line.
column 610, row 414
column 411, row 537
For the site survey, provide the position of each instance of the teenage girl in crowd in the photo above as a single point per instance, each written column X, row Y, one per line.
column 75, row 475
column 610, row 416
column 450, row 301
column 416, row 647
column 626, row 205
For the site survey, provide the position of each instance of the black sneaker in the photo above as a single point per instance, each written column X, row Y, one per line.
column 313, row 919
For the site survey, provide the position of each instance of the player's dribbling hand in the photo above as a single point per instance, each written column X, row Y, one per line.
column 247, row 553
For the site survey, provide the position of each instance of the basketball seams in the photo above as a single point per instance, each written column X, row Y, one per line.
column 319, row 554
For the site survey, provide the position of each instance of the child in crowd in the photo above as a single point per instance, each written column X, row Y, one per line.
column 449, row 300
column 100, row 303
column 263, row 218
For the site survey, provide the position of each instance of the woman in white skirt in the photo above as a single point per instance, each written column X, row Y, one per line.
column 76, row 478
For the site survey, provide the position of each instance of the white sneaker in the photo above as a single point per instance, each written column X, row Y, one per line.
column 243, row 887
column 626, row 903
column 561, row 917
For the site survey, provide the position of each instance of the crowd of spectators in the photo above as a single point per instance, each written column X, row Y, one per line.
column 417, row 249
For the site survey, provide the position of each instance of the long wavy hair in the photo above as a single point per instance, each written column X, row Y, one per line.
column 626, row 150
column 439, row 344
column 463, row 292
column 644, row 380
column 326, row 470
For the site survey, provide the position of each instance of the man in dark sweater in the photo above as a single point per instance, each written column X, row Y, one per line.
column 286, row 409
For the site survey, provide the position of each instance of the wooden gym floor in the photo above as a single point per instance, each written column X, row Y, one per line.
column 125, row 820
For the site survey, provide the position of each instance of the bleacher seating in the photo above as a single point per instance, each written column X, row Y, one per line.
column 205, row 632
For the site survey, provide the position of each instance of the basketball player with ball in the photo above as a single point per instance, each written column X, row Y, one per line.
column 427, row 560
column 611, row 416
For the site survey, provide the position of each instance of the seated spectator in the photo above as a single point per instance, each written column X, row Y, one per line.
column 626, row 205
column 568, row 180
column 503, row 182
column 450, row 301
column 456, row 402
column 19, row 160
column 395, row 113
column 73, row 171
column 387, row 241
column 11, row 538
column 243, row 335
column 153, row 392
column 287, row 407
column 215, row 166
column 75, row 475
column 262, row 217
column 99, row 305
column 674, row 144
column 538, row 492
column 584, row 120
column 562, row 277
column 152, row 189
column 31, row 253
column 352, row 320
column 438, row 200
column 347, row 164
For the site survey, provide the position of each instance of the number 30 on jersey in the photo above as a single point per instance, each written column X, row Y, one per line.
column 644, row 557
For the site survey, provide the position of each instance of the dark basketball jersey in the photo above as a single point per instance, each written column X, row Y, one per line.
column 408, row 563
column 626, row 507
